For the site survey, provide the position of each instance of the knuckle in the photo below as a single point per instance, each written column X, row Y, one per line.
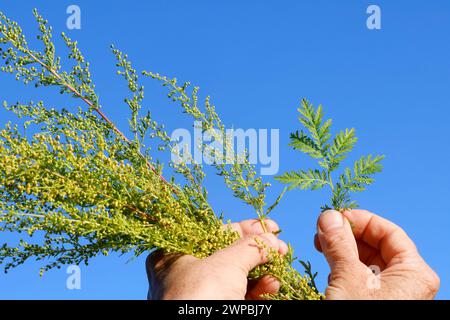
column 432, row 282
column 365, row 212
column 272, row 225
column 332, row 239
column 400, row 230
column 248, row 241
column 346, row 269
column 267, row 239
column 270, row 239
column 283, row 247
column 235, row 226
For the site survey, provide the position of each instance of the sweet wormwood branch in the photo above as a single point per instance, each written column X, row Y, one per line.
column 61, row 81
column 240, row 178
column 329, row 155
column 79, row 187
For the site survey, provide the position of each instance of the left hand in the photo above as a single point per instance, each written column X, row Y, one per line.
column 221, row 276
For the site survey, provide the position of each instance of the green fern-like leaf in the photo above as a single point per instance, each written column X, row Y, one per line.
column 303, row 143
column 311, row 179
column 343, row 143
column 312, row 120
column 315, row 142
column 361, row 176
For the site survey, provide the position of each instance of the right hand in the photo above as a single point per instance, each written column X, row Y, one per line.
column 357, row 244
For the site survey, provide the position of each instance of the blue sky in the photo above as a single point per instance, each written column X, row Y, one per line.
column 257, row 59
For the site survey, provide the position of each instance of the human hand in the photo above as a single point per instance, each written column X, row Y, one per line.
column 223, row 275
column 358, row 242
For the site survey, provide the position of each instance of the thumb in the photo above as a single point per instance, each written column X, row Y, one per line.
column 250, row 251
column 337, row 240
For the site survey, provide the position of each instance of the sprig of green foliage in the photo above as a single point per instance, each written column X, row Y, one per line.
column 79, row 187
column 240, row 177
column 329, row 153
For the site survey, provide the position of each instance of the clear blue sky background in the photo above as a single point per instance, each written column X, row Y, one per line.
column 257, row 59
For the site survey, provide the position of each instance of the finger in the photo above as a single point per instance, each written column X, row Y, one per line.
column 367, row 254
column 265, row 285
column 249, row 252
column 282, row 247
column 336, row 240
column 253, row 226
column 370, row 256
column 381, row 234
column 317, row 243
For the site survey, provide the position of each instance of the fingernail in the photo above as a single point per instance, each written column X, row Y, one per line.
column 329, row 220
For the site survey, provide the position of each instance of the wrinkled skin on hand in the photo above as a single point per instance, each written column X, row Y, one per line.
column 358, row 243
column 223, row 275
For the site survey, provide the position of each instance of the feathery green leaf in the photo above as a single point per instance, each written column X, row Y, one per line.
column 311, row 179
column 329, row 157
